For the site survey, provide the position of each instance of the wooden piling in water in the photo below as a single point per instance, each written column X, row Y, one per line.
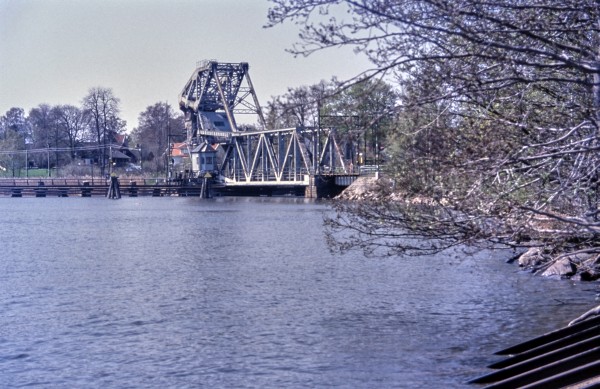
column 41, row 190
column 86, row 190
column 114, row 190
column 133, row 189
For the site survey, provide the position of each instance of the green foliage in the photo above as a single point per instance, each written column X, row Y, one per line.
column 158, row 124
column 498, row 116
column 23, row 173
column 362, row 114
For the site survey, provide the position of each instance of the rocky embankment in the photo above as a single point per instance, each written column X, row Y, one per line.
column 364, row 188
column 582, row 265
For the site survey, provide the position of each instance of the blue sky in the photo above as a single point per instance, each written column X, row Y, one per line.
column 53, row 51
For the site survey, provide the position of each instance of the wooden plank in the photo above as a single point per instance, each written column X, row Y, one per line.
column 585, row 334
column 538, row 361
column 550, row 337
column 588, row 372
column 559, row 371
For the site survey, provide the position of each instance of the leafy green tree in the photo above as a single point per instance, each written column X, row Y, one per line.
column 363, row 114
column 46, row 134
column 14, row 120
column 42, row 123
column 360, row 113
column 158, row 126
column 14, row 131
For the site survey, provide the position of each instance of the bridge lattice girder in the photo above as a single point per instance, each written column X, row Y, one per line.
column 280, row 156
column 268, row 156
column 283, row 156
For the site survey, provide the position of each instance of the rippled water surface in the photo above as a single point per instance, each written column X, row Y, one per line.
column 176, row 292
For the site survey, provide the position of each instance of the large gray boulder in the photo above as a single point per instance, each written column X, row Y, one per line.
column 560, row 268
column 531, row 257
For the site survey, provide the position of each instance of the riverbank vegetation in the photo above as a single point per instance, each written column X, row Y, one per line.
column 495, row 135
column 86, row 139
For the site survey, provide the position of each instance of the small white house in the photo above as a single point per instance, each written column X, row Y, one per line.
column 204, row 158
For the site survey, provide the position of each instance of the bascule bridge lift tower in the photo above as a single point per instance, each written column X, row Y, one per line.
column 252, row 161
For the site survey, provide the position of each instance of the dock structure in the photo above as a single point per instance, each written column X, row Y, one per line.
column 566, row 358
column 73, row 187
column 140, row 187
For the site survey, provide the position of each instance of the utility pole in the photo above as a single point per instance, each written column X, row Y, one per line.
column 319, row 133
column 139, row 146
column 168, row 128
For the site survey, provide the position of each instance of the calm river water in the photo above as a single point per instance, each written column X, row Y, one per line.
column 243, row 293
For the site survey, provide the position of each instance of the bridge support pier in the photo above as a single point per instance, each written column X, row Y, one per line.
column 311, row 190
column 326, row 187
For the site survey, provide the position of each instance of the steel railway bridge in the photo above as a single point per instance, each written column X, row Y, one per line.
column 238, row 160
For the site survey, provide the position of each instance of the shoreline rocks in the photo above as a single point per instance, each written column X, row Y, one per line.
column 581, row 266
column 364, row 188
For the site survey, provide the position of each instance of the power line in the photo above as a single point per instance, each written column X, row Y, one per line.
column 63, row 149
